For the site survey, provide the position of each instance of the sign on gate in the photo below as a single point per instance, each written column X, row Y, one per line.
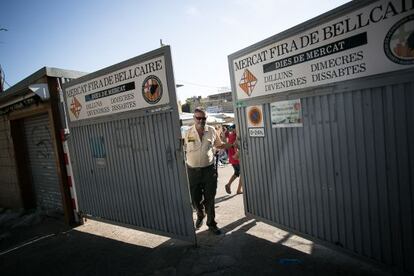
column 255, row 122
column 134, row 87
column 376, row 39
column 286, row 113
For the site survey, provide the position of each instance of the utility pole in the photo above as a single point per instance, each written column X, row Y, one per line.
column 1, row 70
column 1, row 80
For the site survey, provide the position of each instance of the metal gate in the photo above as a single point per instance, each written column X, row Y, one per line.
column 345, row 177
column 129, row 164
column 42, row 163
column 327, row 136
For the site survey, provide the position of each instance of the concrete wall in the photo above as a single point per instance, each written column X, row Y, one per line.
column 9, row 188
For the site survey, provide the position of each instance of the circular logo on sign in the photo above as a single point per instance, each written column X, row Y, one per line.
column 399, row 41
column 152, row 89
column 255, row 116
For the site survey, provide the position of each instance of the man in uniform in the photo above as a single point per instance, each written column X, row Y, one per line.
column 200, row 141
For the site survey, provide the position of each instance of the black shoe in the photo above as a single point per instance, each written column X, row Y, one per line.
column 199, row 222
column 214, row 230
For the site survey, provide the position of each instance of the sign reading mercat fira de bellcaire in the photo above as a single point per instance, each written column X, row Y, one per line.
column 374, row 39
column 134, row 87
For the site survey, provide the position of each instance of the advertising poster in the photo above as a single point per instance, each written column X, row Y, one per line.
column 286, row 114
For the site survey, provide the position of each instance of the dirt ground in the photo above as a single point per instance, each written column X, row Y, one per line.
column 41, row 244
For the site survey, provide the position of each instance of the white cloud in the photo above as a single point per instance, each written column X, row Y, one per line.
column 192, row 11
column 228, row 20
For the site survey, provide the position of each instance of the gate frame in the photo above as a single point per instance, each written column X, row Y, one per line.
column 170, row 107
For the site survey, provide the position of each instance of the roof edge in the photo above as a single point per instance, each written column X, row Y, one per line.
column 42, row 72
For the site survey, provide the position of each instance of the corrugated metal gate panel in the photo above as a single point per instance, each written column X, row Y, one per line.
column 129, row 163
column 140, row 159
column 42, row 162
column 345, row 177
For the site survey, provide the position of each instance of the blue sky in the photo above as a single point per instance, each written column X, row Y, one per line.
column 91, row 35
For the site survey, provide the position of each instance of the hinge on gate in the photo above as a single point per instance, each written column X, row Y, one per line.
column 82, row 218
column 168, row 154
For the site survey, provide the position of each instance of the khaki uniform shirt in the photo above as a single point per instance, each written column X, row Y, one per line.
column 200, row 152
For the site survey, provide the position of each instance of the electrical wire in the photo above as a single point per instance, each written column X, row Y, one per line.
column 202, row 85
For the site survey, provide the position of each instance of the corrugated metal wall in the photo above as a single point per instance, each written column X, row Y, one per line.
column 42, row 162
column 345, row 177
column 128, row 173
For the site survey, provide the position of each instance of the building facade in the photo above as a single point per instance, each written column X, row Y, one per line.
column 32, row 159
column 216, row 103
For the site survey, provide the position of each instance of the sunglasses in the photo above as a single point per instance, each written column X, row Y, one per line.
column 201, row 118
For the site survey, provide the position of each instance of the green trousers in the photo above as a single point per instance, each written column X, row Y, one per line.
column 203, row 186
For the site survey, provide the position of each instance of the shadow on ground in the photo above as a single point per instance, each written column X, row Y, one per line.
column 224, row 198
column 18, row 226
column 235, row 253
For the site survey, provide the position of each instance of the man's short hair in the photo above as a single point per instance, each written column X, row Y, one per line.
column 199, row 109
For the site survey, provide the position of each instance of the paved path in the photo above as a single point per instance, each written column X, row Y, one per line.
column 247, row 247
